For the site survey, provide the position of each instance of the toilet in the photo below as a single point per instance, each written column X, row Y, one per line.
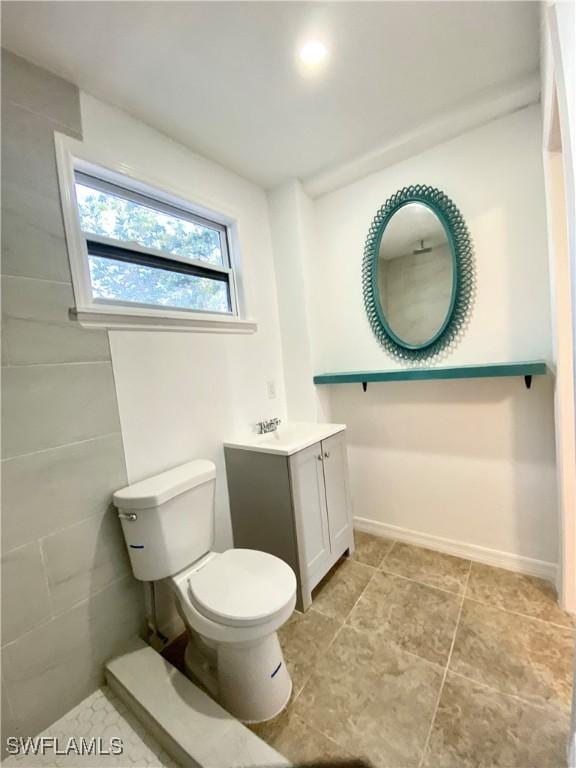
column 232, row 603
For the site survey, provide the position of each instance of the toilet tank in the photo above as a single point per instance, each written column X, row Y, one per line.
column 168, row 519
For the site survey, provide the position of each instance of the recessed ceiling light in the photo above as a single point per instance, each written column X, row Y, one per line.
column 313, row 53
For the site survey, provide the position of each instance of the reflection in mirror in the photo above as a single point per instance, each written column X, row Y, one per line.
column 415, row 274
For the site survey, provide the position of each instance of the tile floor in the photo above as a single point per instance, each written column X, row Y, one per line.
column 102, row 716
column 410, row 657
column 407, row 658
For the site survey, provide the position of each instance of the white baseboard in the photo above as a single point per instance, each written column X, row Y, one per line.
column 511, row 562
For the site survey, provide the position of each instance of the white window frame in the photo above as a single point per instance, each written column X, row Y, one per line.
column 72, row 157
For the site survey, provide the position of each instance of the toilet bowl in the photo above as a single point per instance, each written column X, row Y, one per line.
column 232, row 602
column 235, row 602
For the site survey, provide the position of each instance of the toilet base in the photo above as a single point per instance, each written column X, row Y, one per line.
column 254, row 683
column 200, row 666
column 250, row 680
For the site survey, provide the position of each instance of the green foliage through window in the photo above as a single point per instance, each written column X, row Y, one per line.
column 102, row 213
column 141, row 284
column 130, row 223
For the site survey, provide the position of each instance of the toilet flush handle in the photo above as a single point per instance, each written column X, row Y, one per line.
column 128, row 516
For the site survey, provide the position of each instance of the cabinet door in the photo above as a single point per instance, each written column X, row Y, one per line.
column 337, row 492
column 307, row 476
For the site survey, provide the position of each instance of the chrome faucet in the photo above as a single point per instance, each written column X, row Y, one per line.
column 271, row 425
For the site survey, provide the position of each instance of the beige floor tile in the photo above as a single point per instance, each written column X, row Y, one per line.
column 433, row 568
column 362, row 692
column 369, row 549
column 303, row 638
column 371, row 698
column 479, row 728
column 270, row 730
column 515, row 592
column 417, row 618
column 299, row 743
column 514, row 654
column 337, row 593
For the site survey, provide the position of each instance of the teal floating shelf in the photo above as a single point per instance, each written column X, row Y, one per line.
column 487, row 371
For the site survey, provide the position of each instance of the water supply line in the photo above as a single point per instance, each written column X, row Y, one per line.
column 156, row 639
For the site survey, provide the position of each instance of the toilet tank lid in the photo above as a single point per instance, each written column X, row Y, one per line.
column 161, row 488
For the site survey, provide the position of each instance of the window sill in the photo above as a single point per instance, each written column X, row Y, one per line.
column 127, row 319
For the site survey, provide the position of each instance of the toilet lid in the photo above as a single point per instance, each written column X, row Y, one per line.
column 242, row 587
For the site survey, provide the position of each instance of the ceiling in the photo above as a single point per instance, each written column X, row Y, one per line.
column 222, row 78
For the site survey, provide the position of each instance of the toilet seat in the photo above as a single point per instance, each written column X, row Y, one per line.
column 242, row 587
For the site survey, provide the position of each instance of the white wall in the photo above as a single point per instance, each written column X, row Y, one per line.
column 471, row 462
column 181, row 394
column 293, row 225
column 494, row 175
column 559, row 106
column 562, row 17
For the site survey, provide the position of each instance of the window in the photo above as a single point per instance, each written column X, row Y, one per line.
column 144, row 252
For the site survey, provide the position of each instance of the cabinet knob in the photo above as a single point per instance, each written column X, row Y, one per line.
column 319, row 457
column 326, row 454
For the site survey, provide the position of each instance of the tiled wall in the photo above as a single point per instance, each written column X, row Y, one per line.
column 68, row 599
column 416, row 290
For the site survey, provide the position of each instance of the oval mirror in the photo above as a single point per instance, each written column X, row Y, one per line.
column 415, row 274
column 418, row 272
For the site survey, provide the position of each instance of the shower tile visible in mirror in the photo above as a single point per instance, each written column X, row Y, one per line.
column 370, row 550
column 514, row 654
column 373, row 699
column 413, row 616
column 433, row 568
column 303, row 638
column 476, row 727
column 516, row 592
column 337, row 593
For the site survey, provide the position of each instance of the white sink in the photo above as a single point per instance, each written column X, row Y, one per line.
column 289, row 438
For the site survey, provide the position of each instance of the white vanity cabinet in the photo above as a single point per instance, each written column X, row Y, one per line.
column 290, row 496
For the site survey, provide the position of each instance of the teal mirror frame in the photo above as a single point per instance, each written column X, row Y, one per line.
column 462, row 284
